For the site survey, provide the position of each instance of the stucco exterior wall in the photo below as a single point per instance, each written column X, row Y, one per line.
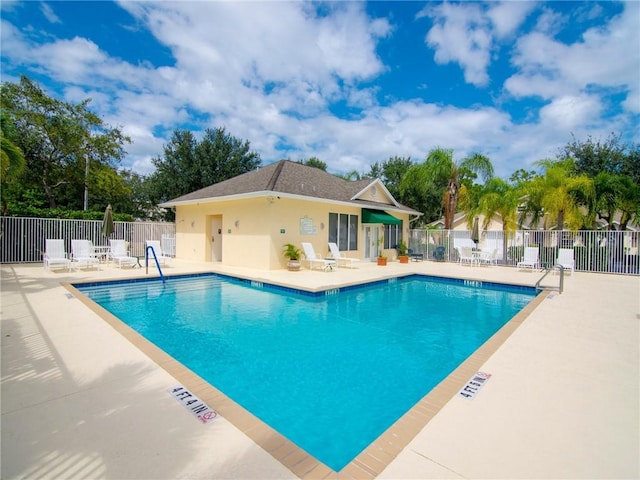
column 462, row 224
column 253, row 231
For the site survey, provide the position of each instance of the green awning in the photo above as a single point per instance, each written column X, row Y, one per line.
column 378, row 216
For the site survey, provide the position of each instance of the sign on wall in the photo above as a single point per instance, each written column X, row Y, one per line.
column 307, row 227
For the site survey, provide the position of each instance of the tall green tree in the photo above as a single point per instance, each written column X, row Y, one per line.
column 631, row 164
column 177, row 170
column 593, row 156
column 189, row 164
column 440, row 166
column 375, row 171
column 499, row 198
column 615, row 193
column 314, row 162
column 560, row 196
column 351, row 176
column 391, row 172
column 12, row 161
column 629, row 202
column 420, row 191
column 59, row 140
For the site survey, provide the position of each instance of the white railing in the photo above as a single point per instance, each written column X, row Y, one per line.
column 594, row 250
column 22, row 239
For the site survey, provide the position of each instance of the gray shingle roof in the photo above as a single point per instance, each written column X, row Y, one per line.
column 288, row 178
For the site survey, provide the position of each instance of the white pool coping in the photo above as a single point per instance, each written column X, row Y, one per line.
column 81, row 401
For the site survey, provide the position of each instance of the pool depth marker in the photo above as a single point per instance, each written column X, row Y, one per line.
column 474, row 385
column 192, row 403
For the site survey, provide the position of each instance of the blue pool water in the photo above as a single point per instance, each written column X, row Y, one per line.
column 330, row 372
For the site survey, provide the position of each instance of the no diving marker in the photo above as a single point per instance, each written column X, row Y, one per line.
column 474, row 385
column 192, row 403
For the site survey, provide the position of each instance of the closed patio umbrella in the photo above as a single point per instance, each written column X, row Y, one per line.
column 475, row 233
column 107, row 223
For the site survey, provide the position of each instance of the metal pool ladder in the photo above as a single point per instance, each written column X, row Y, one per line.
column 560, row 287
column 146, row 262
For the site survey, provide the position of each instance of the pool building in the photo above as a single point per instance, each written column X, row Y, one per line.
column 246, row 220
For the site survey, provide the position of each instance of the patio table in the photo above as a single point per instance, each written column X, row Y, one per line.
column 102, row 253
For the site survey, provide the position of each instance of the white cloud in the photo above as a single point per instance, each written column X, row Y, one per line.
column 507, row 17
column 461, row 34
column 49, row 14
column 467, row 33
column 606, row 57
column 569, row 112
column 550, row 21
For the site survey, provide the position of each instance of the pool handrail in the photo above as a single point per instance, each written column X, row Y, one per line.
column 146, row 261
column 560, row 287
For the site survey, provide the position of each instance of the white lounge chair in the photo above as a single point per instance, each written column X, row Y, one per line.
column 339, row 258
column 314, row 260
column 120, row 255
column 565, row 259
column 157, row 249
column 83, row 255
column 55, row 255
column 530, row 259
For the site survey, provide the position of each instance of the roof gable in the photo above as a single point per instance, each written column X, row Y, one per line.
column 376, row 192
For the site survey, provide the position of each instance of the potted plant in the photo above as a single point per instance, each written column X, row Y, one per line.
column 292, row 253
column 382, row 258
column 402, row 252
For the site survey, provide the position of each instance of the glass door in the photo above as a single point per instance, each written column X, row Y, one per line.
column 371, row 236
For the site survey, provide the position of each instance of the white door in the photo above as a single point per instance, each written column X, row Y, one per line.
column 371, row 236
column 216, row 238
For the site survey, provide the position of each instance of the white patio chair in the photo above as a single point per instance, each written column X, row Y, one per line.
column 157, row 249
column 55, row 255
column 465, row 255
column 339, row 258
column 120, row 255
column 530, row 259
column 489, row 257
column 314, row 260
column 565, row 259
column 83, row 255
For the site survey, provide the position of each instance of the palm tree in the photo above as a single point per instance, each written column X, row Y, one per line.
column 498, row 198
column 442, row 166
column 351, row 176
column 559, row 194
column 629, row 202
column 616, row 193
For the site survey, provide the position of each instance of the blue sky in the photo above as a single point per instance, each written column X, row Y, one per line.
column 351, row 83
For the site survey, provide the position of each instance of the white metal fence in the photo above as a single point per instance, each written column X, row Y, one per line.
column 22, row 239
column 594, row 250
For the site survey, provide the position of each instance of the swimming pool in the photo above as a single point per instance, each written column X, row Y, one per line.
column 330, row 371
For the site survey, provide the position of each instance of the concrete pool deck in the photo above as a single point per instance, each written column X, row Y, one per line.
column 80, row 401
